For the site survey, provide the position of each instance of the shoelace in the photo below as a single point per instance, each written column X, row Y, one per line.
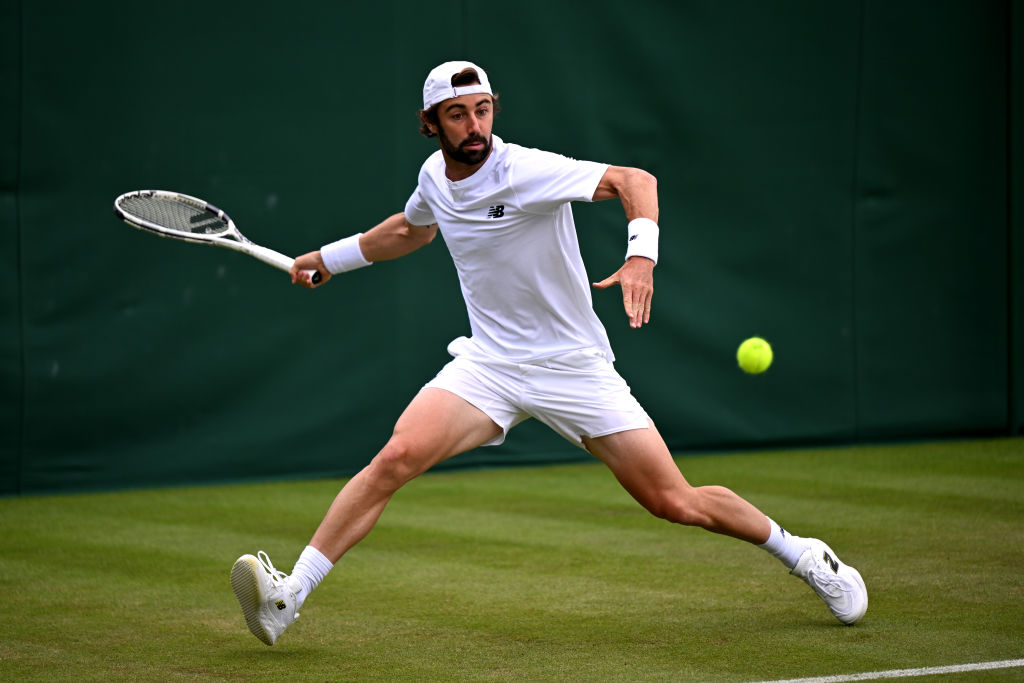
column 827, row 581
column 277, row 576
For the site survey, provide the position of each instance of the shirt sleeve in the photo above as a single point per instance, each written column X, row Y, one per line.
column 543, row 181
column 417, row 210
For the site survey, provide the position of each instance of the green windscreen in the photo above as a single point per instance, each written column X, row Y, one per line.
column 840, row 178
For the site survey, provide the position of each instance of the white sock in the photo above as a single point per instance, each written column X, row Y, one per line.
column 310, row 570
column 784, row 545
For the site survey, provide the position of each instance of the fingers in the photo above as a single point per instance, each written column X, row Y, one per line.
column 634, row 299
column 301, row 277
column 637, row 302
column 309, row 279
column 305, row 269
column 646, row 310
column 636, row 277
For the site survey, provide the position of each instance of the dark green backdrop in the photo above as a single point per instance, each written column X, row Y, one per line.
column 839, row 177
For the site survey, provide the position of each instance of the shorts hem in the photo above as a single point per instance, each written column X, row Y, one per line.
column 496, row 441
column 616, row 430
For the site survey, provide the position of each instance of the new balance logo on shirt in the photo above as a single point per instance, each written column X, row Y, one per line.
column 496, row 211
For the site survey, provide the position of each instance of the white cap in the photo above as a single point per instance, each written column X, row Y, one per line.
column 438, row 86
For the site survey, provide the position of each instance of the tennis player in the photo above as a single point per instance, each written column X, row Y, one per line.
column 537, row 348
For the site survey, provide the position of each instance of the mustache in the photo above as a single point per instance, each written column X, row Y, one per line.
column 473, row 139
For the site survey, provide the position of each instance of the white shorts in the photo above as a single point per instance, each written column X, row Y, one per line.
column 577, row 394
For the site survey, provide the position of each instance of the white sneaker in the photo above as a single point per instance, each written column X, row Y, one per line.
column 838, row 584
column 266, row 595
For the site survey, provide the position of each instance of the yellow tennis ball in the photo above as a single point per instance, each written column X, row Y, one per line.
column 754, row 355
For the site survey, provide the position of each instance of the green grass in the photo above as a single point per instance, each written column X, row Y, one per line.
column 538, row 574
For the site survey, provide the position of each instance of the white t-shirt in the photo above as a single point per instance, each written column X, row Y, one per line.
column 510, row 231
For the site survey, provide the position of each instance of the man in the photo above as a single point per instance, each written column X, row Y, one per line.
column 537, row 348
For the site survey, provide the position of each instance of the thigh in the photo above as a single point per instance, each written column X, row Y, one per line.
column 491, row 387
column 437, row 425
column 641, row 462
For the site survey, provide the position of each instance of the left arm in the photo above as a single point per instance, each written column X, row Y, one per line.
column 635, row 187
column 638, row 191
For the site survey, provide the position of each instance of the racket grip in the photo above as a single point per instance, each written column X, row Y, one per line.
column 314, row 276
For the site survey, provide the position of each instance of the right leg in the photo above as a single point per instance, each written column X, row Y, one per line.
column 436, row 426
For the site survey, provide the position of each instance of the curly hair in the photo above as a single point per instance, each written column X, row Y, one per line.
column 429, row 116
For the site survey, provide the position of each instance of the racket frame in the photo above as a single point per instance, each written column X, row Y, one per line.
column 231, row 239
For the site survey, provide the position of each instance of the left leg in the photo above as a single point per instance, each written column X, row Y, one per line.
column 644, row 466
column 642, row 463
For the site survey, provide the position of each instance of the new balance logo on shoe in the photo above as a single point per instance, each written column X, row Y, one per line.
column 831, row 563
column 496, row 211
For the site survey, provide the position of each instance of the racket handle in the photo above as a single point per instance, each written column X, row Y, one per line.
column 314, row 276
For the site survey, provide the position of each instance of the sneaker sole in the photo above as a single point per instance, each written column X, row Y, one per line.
column 245, row 584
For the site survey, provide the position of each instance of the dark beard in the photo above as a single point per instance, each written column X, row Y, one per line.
column 460, row 154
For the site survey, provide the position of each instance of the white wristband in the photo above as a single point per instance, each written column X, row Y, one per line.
column 344, row 255
column 643, row 238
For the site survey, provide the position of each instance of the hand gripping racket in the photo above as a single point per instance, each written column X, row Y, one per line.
column 181, row 217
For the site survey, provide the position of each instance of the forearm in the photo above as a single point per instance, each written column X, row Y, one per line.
column 639, row 195
column 390, row 239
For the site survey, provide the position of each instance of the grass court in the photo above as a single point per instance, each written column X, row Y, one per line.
column 541, row 574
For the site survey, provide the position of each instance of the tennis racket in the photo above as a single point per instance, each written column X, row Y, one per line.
column 181, row 217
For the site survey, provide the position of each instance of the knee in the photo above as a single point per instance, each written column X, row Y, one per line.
column 678, row 507
column 393, row 466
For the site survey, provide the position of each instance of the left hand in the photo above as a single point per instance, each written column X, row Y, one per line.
column 636, row 277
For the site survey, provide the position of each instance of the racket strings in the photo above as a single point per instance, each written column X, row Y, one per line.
column 174, row 215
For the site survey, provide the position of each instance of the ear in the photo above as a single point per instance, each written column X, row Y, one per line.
column 426, row 122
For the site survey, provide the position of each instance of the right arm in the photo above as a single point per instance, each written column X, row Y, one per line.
column 395, row 237
column 392, row 238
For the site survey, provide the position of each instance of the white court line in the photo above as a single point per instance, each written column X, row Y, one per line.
column 908, row 673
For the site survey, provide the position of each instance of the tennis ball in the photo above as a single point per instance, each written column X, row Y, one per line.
column 754, row 355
